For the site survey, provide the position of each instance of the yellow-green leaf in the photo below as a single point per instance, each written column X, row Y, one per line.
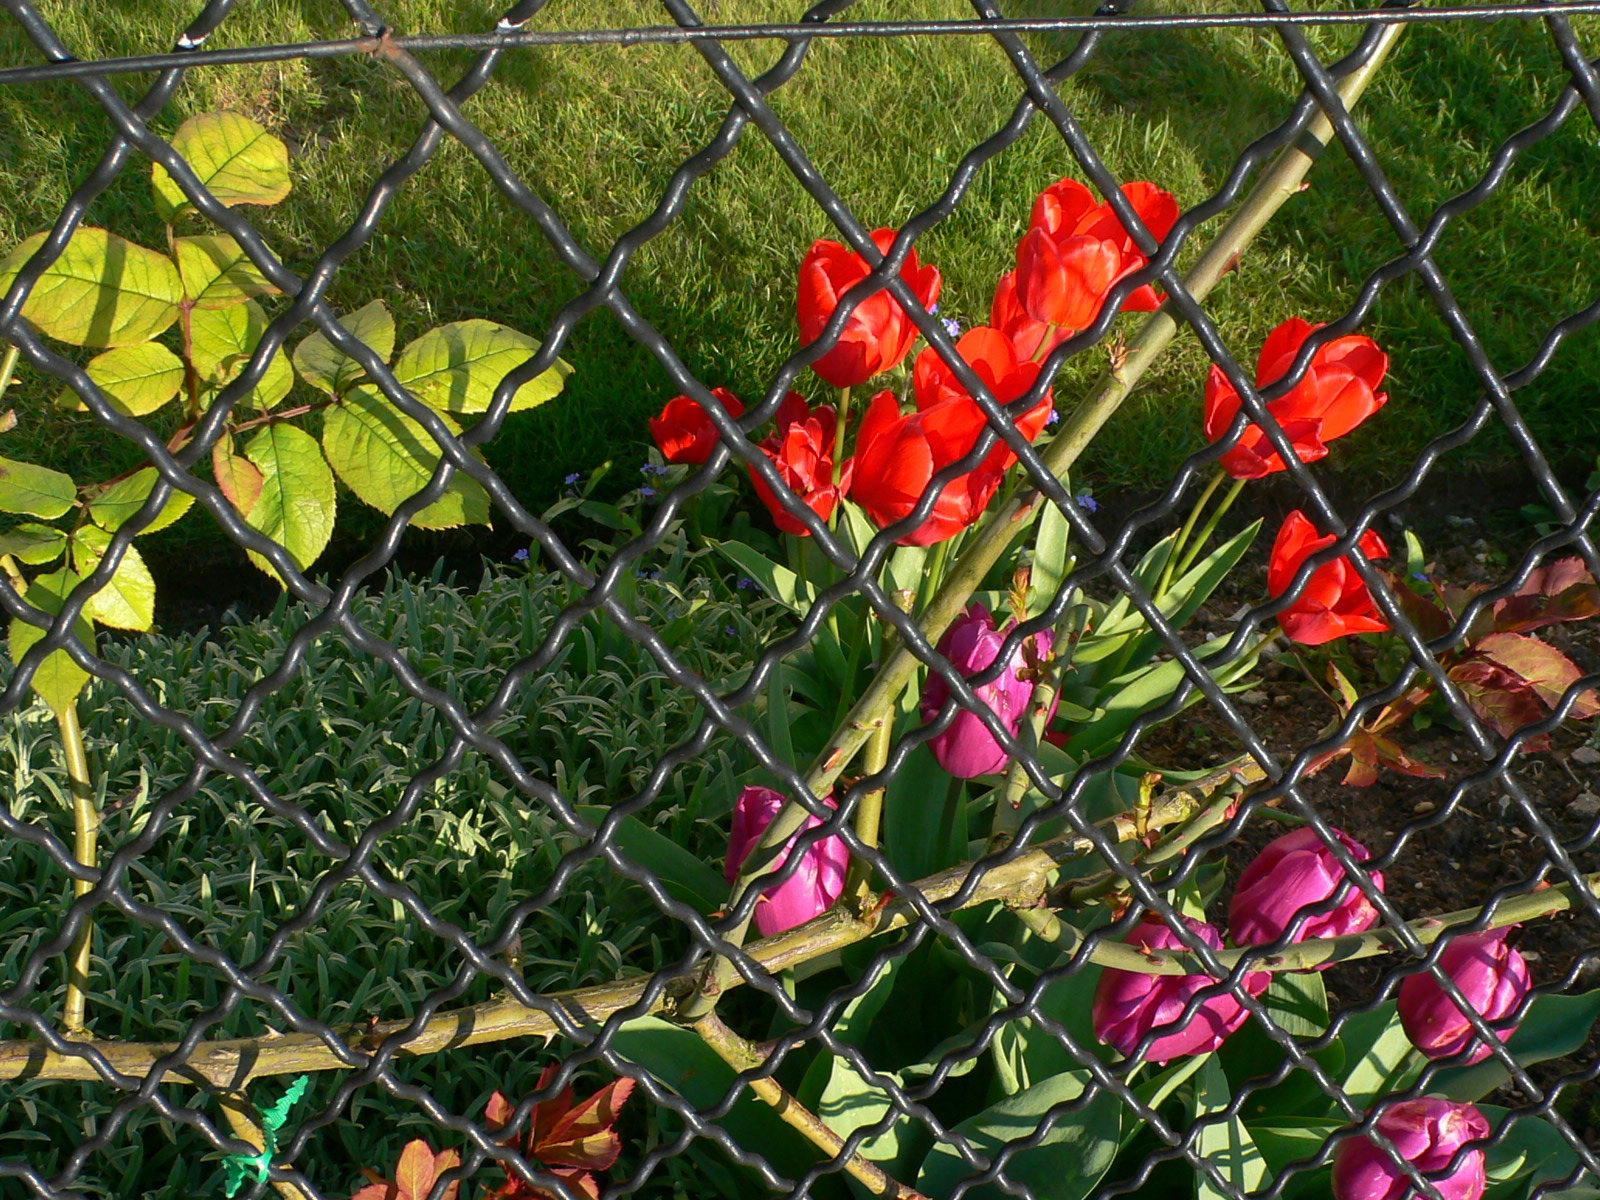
column 34, row 490
column 58, row 679
column 221, row 342
column 128, row 601
column 137, row 380
column 456, row 368
column 33, row 543
column 238, row 160
column 217, row 273
column 237, row 477
column 103, row 291
column 123, row 499
column 330, row 370
column 296, row 506
column 386, row 458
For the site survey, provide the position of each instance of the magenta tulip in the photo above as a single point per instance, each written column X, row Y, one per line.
column 967, row 749
column 1129, row 1005
column 1493, row 978
column 1428, row 1133
column 814, row 886
column 1293, row 873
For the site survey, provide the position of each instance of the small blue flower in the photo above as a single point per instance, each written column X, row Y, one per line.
column 572, row 480
column 1087, row 502
column 934, row 308
column 647, row 491
column 652, row 469
column 1419, row 577
column 730, row 631
column 645, row 573
column 521, row 555
column 1055, row 415
column 746, row 584
column 952, row 327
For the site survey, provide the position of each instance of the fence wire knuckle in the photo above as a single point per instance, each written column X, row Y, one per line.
column 414, row 1063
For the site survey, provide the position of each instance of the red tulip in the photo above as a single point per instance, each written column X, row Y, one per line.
column 802, row 449
column 994, row 359
column 898, row 454
column 1335, row 603
column 1032, row 339
column 1338, row 391
column 685, row 433
column 1493, row 978
column 1075, row 251
column 878, row 335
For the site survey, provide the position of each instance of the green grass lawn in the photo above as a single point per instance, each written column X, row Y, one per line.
column 598, row 132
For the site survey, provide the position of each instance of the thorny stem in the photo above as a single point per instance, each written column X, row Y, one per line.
column 869, row 814
column 742, row 1056
column 1277, row 184
column 7, row 366
column 86, row 849
column 1008, row 806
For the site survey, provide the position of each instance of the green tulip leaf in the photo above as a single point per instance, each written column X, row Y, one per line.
column 103, row 291
column 685, row 876
column 58, row 679
column 332, row 371
column 217, row 273
column 1227, row 1144
column 456, row 368
column 128, row 601
column 222, row 341
column 1556, row 1025
column 385, row 458
column 137, row 380
column 33, row 543
column 296, row 506
column 237, row 160
column 124, row 498
column 34, row 490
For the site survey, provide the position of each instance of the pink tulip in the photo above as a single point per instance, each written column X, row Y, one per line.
column 1293, row 873
column 1128, row 1005
column 1492, row 977
column 1428, row 1133
column 814, row 886
column 967, row 749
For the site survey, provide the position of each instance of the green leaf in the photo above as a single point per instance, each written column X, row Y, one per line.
column 678, row 1059
column 1066, row 1165
column 1052, row 561
column 1298, row 1002
column 1379, row 1057
column 1226, row 1145
column 1531, row 1152
column 332, row 371
column 1282, row 1142
column 128, row 601
column 386, row 458
column 221, row 343
column 137, row 380
column 217, row 273
column 58, row 679
column 777, row 581
column 237, row 477
column 124, row 498
column 237, row 160
column 456, row 368
column 848, row 1103
column 103, row 291
column 682, row 873
column 34, row 490
column 1555, row 1026
column 33, row 543
column 296, row 507
column 916, row 838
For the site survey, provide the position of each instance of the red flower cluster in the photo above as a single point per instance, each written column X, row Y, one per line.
column 1337, row 393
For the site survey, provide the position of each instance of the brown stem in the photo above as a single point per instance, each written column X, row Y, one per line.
column 241, row 1116
column 743, row 1056
column 86, row 849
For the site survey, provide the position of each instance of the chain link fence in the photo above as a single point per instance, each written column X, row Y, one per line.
column 421, row 1058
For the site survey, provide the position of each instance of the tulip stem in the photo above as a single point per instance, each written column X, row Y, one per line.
column 842, row 419
column 1043, row 347
column 1182, row 540
column 947, row 817
column 935, row 576
column 1211, row 525
column 744, row 1056
column 1277, row 183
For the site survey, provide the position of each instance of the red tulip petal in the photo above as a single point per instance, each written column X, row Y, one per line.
column 1278, row 351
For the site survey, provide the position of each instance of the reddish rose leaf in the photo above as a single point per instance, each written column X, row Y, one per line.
column 1391, row 755
column 1363, row 770
column 1521, row 613
column 1431, row 620
column 419, row 1169
column 1549, row 671
column 1504, row 700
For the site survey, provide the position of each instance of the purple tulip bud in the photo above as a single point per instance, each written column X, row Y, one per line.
column 972, row 643
column 812, row 889
column 1295, row 872
column 1427, row 1133
column 1493, row 978
column 1129, row 1005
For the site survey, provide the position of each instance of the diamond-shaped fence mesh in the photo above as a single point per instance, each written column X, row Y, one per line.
column 514, row 964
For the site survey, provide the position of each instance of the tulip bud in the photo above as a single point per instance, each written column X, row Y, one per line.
column 967, row 749
column 816, row 883
column 1129, row 1005
column 1427, row 1133
column 684, row 432
column 1296, row 872
column 1492, row 977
